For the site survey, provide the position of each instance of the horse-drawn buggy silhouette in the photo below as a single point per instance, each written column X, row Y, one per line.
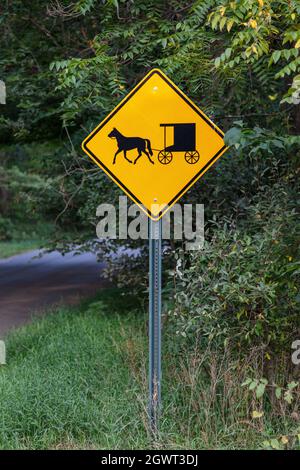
column 184, row 141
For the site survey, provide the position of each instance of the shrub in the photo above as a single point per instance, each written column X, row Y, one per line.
column 242, row 288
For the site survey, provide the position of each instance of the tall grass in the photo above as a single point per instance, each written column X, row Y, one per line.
column 12, row 248
column 77, row 378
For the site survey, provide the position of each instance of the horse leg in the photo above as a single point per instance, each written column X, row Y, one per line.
column 126, row 157
column 139, row 156
column 146, row 153
column 118, row 151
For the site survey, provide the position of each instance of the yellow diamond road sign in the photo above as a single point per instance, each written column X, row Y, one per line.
column 155, row 144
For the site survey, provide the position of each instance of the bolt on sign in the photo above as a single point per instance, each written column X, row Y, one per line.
column 155, row 144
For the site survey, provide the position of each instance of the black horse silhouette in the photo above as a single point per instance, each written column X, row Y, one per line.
column 129, row 143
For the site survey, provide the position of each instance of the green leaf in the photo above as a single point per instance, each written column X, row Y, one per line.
column 288, row 397
column 247, row 382
column 233, row 136
column 253, row 384
column 228, row 52
column 260, row 390
column 275, row 444
column 222, row 23
column 215, row 21
column 266, row 444
column 217, row 62
column 292, row 385
column 229, row 25
column 276, row 56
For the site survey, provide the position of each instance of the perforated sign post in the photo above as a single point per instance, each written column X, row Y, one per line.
column 155, row 145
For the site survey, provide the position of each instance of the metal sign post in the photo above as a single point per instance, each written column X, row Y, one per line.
column 155, row 236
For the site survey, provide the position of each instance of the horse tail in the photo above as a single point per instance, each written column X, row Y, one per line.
column 149, row 146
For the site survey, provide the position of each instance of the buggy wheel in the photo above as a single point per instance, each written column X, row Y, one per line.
column 191, row 157
column 165, row 157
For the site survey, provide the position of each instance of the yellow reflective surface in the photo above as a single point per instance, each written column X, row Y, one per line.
column 155, row 187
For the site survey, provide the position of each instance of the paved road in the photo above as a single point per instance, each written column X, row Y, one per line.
column 29, row 283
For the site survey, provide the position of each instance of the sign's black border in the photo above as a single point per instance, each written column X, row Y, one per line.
column 182, row 191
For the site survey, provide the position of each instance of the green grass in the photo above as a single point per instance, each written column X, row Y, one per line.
column 67, row 382
column 12, row 248
column 78, row 379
